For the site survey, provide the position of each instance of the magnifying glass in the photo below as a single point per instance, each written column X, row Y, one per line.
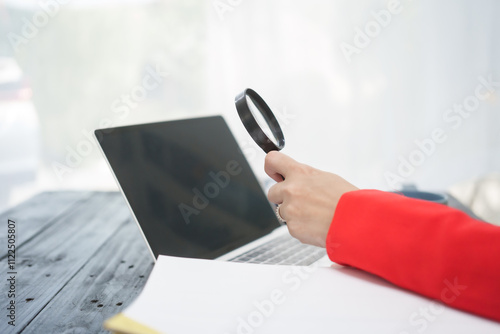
column 259, row 121
column 261, row 124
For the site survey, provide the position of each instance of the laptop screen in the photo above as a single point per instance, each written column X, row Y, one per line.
column 191, row 189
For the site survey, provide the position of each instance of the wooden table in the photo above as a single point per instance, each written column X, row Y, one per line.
column 80, row 259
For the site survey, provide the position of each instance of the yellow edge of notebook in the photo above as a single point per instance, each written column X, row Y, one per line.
column 121, row 324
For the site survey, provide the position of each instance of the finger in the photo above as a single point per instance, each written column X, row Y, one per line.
column 282, row 211
column 278, row 165
column 275, row 194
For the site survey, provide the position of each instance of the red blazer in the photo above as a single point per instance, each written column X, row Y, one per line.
column 429, row 248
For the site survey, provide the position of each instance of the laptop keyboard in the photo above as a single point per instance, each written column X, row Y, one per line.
column 283, row 250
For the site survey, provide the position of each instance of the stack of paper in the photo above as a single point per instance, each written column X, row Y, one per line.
column 206, row 296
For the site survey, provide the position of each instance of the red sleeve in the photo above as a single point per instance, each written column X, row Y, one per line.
column 429, row 248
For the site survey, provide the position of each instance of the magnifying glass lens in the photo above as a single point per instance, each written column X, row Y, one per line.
column 261, row 120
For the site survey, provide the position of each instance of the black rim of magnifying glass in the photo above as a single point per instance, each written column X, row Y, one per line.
column 251, row 124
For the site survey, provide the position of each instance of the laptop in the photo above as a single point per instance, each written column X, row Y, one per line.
column 193, row 194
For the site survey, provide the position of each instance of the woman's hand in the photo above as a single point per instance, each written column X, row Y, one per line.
column 308, row 197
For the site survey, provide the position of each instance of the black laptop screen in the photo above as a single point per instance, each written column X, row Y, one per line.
column 189, row 186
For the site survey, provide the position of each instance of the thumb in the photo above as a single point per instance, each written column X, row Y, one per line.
column 278, row 165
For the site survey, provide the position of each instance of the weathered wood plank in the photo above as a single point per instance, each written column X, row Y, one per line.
column 108, row 283
column 46, row 263
column 35, row 214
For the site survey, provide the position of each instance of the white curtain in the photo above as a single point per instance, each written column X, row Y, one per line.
column 358, row 118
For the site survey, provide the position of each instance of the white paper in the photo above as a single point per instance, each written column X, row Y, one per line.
column 205, row 296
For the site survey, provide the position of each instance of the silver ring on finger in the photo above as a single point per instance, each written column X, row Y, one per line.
column 278, row 215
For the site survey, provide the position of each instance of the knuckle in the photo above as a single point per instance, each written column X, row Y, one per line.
column 292, row 211
column 272, row 195
column 291, row 190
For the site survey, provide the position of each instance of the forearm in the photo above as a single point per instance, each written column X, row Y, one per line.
column 425, row 247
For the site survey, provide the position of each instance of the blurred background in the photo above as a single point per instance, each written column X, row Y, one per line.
column 380, row 92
